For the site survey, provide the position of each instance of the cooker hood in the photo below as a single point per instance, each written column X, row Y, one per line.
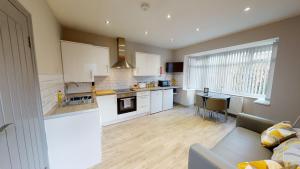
column 122, row 62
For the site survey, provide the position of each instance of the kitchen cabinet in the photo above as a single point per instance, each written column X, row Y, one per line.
column 74, row 140
column 108, row 108
column 147, row 64
column 82, row 62
column 143, row 102
column 167, row 99
column 156, row 101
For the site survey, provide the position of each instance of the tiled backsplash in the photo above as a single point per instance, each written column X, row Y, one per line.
column 118, row 79
column 49, row 85
column 179, row 79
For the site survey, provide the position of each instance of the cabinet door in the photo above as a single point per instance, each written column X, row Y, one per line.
column 154, row 66
column 99, row 56
column 108, row 108
column 167, row 99
column 147, row 64
column 81, row 62
column 141, row 63
column 77, row 137
column 143, row 104
column 156, row 101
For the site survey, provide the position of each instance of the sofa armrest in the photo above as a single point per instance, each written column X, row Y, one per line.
column 202, row 158
column 253, row 123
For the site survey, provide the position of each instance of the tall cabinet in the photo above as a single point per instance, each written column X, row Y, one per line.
column 82, row 62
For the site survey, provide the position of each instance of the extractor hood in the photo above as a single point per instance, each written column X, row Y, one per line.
column 122, row 62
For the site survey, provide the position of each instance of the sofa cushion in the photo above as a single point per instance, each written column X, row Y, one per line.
column 262, row 164
column 288, row 151
column 241, row 145
column 276, row 134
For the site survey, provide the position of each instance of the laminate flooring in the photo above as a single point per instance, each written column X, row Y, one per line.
column 159, row 141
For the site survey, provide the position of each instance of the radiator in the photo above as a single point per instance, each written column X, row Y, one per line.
column 236, row 105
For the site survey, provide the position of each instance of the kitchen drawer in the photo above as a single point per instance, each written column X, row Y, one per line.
column 145, row 93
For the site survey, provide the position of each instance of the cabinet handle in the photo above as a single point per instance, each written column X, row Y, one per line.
column 2, row 128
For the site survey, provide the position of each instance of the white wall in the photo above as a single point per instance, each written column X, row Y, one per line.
column 46, row 32
column 286, row 88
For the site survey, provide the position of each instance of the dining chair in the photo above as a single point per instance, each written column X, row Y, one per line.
column 199, row 104
column 217, row 105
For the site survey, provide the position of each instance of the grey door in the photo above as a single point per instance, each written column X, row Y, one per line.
column 22, row 143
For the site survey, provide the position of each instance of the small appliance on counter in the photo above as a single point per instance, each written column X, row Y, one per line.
column 163, row 83
column 142, row 85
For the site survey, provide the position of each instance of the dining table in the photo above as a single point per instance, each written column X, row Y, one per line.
column 215, row 95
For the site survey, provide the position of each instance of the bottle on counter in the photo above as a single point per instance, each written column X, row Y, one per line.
column 60, row 98
column 93, row 90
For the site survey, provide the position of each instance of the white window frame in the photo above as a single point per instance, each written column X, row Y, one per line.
column 273, row 41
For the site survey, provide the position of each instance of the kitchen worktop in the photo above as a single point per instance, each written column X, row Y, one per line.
column 70, row 110
column 148, row 89
column 156, row 88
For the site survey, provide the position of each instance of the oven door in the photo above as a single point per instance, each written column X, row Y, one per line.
column 126, row 104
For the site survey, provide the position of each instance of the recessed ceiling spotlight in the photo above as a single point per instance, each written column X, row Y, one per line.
column 107, row 22
column 247, row 9
column 146, row 32
column 169, row 16
column 172, row 40
column 197, row 29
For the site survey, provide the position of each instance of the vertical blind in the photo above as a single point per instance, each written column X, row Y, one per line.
column 242, row 72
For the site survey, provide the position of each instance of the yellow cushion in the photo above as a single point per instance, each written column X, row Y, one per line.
column 263, row 164
column 266, row 164
column 276, row 134
column 288, row 151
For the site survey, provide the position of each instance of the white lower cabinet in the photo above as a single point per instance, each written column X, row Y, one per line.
column 143, row 102
column 156, row 101
column 74, row 140
column 167, row 99
column 108, row 108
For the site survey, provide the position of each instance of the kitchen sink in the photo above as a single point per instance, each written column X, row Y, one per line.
column 77, row 100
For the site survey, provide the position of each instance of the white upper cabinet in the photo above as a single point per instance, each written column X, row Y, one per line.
column 147, row 64
column 82, row 62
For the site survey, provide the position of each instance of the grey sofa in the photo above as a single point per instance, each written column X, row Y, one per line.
column 242, row 144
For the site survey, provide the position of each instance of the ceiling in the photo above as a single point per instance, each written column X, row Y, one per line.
column 214, row 18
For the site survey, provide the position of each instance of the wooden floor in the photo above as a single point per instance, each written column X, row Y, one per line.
column 159, row 141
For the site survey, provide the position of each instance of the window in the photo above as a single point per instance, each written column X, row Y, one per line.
column 245, row 70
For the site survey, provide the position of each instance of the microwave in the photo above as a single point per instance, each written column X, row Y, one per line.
column 163, row 83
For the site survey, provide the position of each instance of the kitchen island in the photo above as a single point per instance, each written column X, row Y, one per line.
column 73, row 135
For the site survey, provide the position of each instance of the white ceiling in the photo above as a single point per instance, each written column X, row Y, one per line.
column 214, row 18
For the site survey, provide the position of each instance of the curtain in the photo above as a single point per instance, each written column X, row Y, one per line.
column 242, row 72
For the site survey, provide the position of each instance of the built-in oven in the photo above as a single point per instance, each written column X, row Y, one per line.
column 126, row 102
